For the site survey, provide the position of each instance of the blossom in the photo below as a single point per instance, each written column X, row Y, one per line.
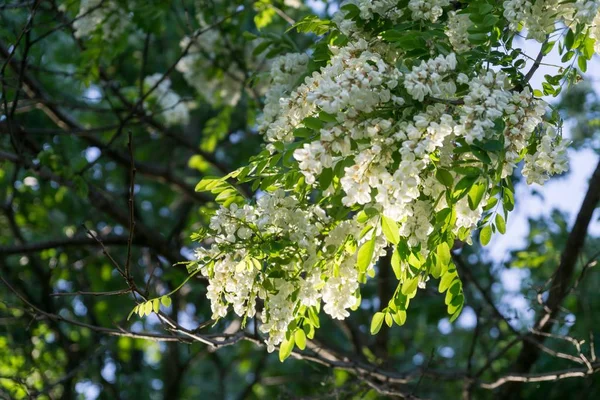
column 170, row 106
column 428, row 78
column 540, row 17
column 550, row 158
column 98, row 14
column 429, row 10
column 457, row 32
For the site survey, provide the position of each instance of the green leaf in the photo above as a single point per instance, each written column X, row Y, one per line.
column 547, row 47
column 285, row 348
column 165, row 301
column 476, row 195
column 567, row 56
column 148, row 308
column 456, row 304
column 481, row 155
column 508, row 199
column 325, row 178
column 588, row 48
column 409, row 286
column 569, row 39
column 388, row 319
column 390, row 229
column 396, row 264
column 156, row 305
column 582, row 63
column 313, row 123
column 443, row 253
column 300, row 338
column 456, row 313
column 500, row 224
column 365, row 215
column 377, row 322
column 447, row 280
column 492, row 145
column 365, row 254
column 490, row 204
column 314, row 317
column 485, row 235
column 445, row 177
column 463, row 186
column 134, row 311
column 399, row 317
column 478, row 38
column 312, row 24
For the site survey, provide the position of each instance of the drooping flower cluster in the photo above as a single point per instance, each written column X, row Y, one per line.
column 540, row 17
column 285, row 72
column 457, row 32
column 429, row 10
column 356, row 80
column 99, row 14
column 549, row 158
column 427, row 79
column 169, row 105
column 384, row 8
column 276, row 252
column 216, row 64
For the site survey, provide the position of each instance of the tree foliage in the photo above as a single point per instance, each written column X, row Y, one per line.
column 185, row 182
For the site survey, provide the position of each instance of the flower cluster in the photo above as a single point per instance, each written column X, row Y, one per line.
column 457, row 32
column 540, row 17
column 285, row 72
column 277, row 244
column 356, row 80
column 427, row 79
column 99, row 14
column 210, row 66
column 549, row 158
column 168, row 103
column 384, row 8
column 429, row 10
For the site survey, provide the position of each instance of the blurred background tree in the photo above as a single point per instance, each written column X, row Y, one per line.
column 84, row 152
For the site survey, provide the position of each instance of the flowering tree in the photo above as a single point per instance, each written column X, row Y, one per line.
column 398, row 135
column 350, row 165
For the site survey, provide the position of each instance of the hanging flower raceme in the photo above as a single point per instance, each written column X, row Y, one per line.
column 402, row 140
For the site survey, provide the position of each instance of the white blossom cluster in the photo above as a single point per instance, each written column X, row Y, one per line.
column 202, row 58
column 103, row 14
column 540, row 17
column 216, row 64
column 384, row 8
column 429, row 10
column 550, row 158
column 457, row 31
column 317, row 268
column 428, row 78
column 285, row 72
column 169, row 105
column 595, row 32
column 356, row 80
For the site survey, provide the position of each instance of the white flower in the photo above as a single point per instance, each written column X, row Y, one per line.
column 429, row 10
column 430, row 78
column 458, row 24
column 170, row 106
column 550, row 158
column 99, row 14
